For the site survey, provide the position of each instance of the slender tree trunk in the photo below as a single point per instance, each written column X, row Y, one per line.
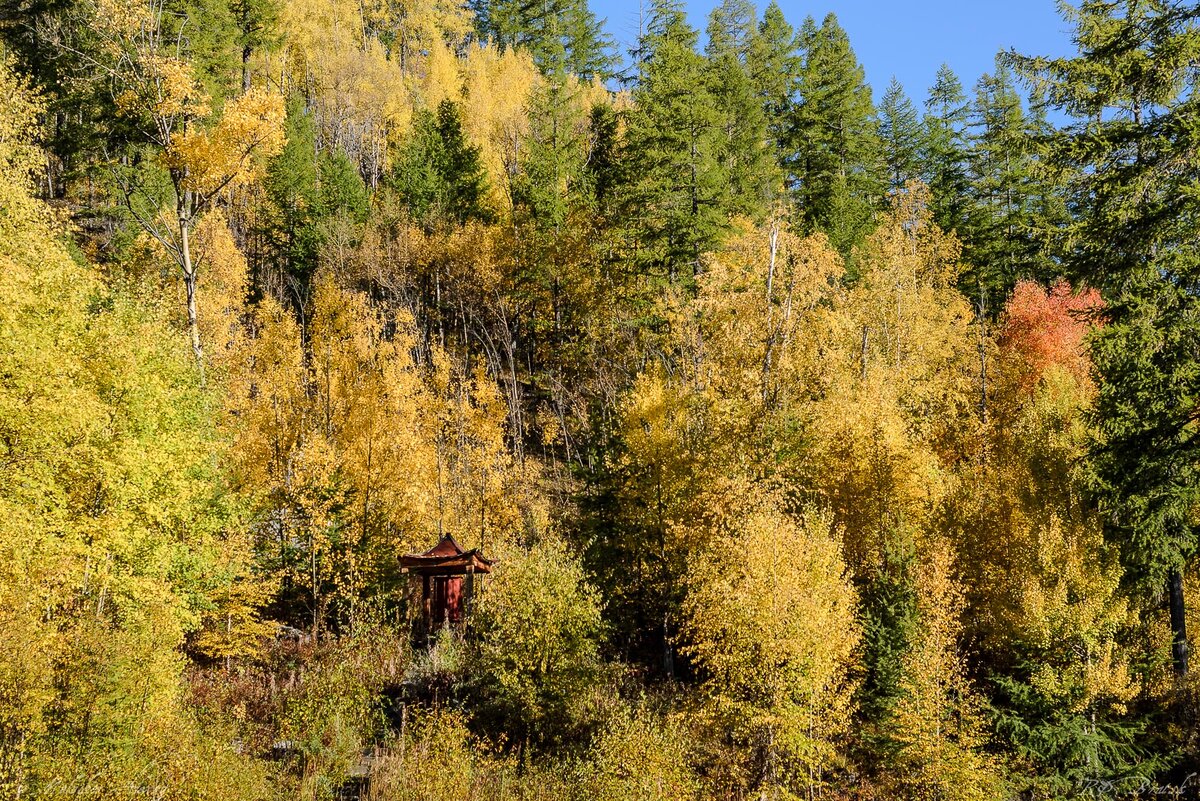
column 768, row 353
column 246, row 51
column 316, row 589
column 863, row 357
column 983, row 376
column 189, row 282
column 1179, row 640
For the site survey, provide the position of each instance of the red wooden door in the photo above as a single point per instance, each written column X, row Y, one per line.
column 454, row 599
column 447, row 600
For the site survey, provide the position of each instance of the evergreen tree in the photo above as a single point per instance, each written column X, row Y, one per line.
column 900, row 133
column 1072, row 750
column 257, row 24
column 745, row 156
column 603, row 165
column 675, row 189
column 944, row 155
column 730, row 30
column 888, row 609
column 774, row 64
column 835, row 137
column 557, row 33
column 342, row 189
column 1131, row 154
column 438, row 173
column 308, row 189
column 210, row 32
column 1002, row 234
column 292, row 185
column 554, row 153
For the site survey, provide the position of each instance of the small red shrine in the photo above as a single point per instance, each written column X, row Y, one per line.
column 443, row 569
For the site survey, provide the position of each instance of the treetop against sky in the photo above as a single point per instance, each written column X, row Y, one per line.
column 908, row 40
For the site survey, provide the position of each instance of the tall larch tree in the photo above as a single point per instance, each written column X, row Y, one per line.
column 557, row 32
column 1005, row 235
column 774, row 63
column 745, row 157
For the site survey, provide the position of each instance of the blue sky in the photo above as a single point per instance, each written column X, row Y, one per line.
column 909, row 40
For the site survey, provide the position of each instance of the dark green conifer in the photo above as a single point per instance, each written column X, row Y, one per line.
column 745, row 156
column 774, row 64
column 675, row 188
column 835, row 137
column 900, row 133
column 257, row 22
column 944, row 155
column 1131, row 156
column 309, row 188
column 1004, row 233
column 292, row 186
column 438, row 173
column 555, row 32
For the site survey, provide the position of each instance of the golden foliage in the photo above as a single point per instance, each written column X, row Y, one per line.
column 361, row 451
column 640, row 756
column 496, row 88
column 937, row 723
column 154, row 84
column 897, row 379
column 232, row 152
column 770, row 623
column 20, row 109
column 226, row 283
column 110, row 508
column 758, row 297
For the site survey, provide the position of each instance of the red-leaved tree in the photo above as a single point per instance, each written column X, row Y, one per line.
column 1046, row 328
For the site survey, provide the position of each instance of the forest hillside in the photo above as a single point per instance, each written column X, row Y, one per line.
column 780, row 438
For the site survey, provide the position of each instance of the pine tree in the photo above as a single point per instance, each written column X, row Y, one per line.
column 342, row 189
column 944, row 155
column 835, row 137
column 1004, row 233
column 1131, row 155
column 745, row 156
column 308, row 189
column 438, row 173
column 889, row 622
column 557, row 33
column 554, row 155
column 291, row 183
column 774, row 64
column 900, row 133
column 675, row 187
column 257, row 25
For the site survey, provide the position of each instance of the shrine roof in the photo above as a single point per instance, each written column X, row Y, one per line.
column 446, row 558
